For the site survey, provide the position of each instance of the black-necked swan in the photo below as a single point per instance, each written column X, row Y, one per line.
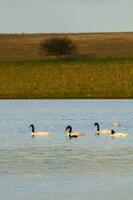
column 103, row 131
column 73, row 134
column 70, row 134
column 118, row 134
column 34, row 133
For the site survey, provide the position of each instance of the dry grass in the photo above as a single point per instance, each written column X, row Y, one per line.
column 61, row 79
column 96, row 45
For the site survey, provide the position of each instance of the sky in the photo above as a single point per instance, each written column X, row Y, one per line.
column 60, row 16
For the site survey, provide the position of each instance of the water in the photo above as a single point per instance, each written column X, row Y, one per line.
column 56, row 168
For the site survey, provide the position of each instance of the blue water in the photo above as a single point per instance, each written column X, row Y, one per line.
column 56, row 168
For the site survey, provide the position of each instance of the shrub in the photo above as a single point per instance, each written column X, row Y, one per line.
column 58, row 46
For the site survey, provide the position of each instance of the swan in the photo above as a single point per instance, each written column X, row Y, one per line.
column 103, row 131
column 116, row 124
column 37, row 133
column 118, row 134
column 72, row 134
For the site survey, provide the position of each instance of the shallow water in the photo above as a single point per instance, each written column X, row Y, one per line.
column 56, row 168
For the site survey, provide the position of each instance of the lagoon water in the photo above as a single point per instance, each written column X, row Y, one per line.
column 56, row 168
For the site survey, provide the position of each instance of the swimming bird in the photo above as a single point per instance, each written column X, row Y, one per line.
column 116, row 124
column 118, row 134
column 70, row 133
column 103, row 131
column 73, row 134
column 34, row 133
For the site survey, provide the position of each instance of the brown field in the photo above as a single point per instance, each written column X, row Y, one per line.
column 94, row 45
column 27, row 72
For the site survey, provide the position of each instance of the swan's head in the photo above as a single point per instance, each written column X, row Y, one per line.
column 31, row 125
column 112, row 132
column 96, row 124
column 69, row 129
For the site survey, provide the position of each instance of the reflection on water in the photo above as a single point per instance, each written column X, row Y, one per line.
column 56, row 168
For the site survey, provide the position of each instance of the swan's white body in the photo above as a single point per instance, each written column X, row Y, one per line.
column 104, row 132
column 119, row 135
column 42, row 134
column 75, row 134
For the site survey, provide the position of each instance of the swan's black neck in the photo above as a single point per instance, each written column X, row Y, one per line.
column 98, row 128
column 32, row 127
column 69, row 129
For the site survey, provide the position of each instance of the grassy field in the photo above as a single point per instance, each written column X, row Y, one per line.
column 103, row 68
column 99, row 78
column 93, row 45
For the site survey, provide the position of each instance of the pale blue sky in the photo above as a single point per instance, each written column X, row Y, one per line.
column 37, row 16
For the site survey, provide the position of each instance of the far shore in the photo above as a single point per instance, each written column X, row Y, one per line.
column 102, row 67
